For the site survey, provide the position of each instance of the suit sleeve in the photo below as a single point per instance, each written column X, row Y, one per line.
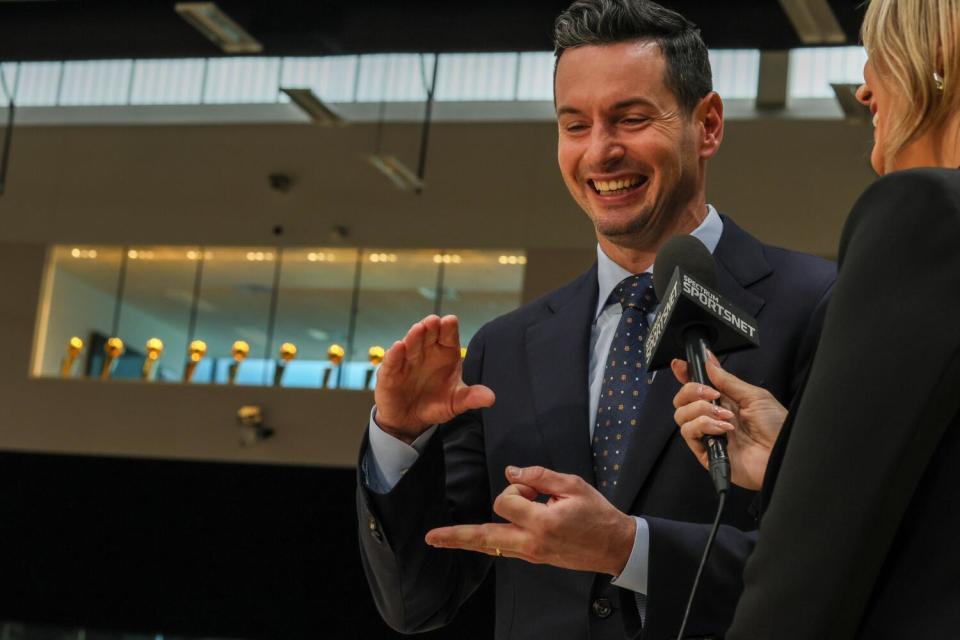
column 417, row 587
column 675, row 551
column 861, row 437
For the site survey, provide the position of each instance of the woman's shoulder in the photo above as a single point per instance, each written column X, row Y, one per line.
column 905, row 205
column 900, row 188
column 938, row 179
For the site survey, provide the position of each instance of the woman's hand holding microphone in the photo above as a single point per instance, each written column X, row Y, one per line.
column 749, row 416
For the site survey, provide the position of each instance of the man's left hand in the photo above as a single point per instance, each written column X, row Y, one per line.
column 576, row 528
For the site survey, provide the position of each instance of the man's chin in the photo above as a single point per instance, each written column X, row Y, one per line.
column 622, row 229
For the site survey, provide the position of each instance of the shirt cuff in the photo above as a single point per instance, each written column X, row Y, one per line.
column 388, row 458
column 635, row 572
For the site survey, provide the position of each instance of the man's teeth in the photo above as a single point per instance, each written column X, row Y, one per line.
column 876, row 118
column 607, row 186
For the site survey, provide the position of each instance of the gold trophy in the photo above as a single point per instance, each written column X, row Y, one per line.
column 74, row 347
column 335, row 354
column 376, row 357
column 240, row 351
column 154, row 349
column 113, row 350
column 288, row 351
column 198, row 349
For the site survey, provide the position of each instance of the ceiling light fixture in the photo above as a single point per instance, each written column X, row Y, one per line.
column 218, row 27
column 853, row 110
column 311, row 104
column 814, row 21
column 400, row 175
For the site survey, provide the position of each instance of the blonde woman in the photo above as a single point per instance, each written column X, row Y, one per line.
column 861, row 536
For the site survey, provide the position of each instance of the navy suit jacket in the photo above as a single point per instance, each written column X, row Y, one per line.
column 536, row 361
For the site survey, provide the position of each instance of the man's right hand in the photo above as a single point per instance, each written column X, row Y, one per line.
column 420, row 382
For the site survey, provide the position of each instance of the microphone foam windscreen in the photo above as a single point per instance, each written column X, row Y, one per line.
column 689, row 254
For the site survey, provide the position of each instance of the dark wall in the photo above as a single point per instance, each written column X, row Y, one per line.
column 190, row 548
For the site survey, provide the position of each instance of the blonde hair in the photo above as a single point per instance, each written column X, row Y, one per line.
column 907, row 41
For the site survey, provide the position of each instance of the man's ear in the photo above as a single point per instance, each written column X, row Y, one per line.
column 709, row 115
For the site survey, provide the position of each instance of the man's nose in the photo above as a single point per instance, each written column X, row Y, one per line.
column 606, row 147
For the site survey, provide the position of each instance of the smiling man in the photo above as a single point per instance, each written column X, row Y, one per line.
column 547, row 453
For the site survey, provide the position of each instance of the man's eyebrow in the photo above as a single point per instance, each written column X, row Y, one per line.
column 633, row 102
column 618, row 106
column 562, row 111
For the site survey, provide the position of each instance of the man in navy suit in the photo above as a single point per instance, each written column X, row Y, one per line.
column 452, row 447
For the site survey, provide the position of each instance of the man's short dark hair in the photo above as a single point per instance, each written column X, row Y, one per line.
column 587, row 22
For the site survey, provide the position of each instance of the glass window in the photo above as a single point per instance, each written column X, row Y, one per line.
column 477, row 76
column 38, row 84
column 295, row 317
column 168, row 81
column 79, row 301
column 313, row 311
column 535, row 81
column 736, row 72
column 235, row 295
column 242, row 80
column 157, row 299
column 95, row 82
column 9, row 72
column 478, row 286
column 394, row 77
column 813, row 69
column 331, row 78
column 397, row 288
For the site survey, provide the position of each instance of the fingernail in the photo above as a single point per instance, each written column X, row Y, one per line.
column 720, row 412
column 513, row 472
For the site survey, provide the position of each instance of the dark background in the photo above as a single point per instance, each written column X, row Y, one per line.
column 187, row 548
column 93, row 29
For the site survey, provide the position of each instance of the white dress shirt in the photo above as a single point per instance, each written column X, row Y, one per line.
column 389, row 458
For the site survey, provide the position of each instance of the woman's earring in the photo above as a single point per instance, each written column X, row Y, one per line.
column 938, row 81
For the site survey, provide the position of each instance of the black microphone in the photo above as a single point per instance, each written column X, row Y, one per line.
column 693, row 318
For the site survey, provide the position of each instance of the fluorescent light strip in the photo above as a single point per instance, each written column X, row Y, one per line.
column 313, row 106
column 814, row 22
column 218, row 27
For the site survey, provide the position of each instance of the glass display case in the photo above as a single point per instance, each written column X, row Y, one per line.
column 309, row 317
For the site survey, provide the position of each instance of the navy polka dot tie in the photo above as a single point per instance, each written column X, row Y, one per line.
column 624, row 384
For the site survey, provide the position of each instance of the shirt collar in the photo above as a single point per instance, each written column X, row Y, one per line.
column 610, row 274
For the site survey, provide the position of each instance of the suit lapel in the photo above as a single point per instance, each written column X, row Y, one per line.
column 558, row 352
column 740, row 263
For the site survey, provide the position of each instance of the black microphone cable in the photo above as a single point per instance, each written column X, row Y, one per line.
column 719, row 462
column 721, row 503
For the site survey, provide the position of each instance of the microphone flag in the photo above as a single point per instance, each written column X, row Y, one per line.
column 688, row 303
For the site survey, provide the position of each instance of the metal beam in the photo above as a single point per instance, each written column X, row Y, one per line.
column 772, row 80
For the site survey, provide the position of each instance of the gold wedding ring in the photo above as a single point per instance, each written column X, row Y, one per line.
column 499, row 553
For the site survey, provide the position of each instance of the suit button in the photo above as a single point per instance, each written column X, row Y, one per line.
column 374, row 530
column 601, row 608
